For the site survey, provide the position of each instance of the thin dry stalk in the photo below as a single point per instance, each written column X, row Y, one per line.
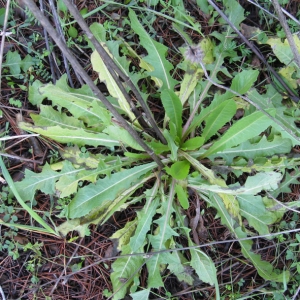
column 3, row 40
column 291, row 93
column 113, row 69
column 79, row 69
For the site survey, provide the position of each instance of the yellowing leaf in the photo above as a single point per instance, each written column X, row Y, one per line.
column 287, row 73
column 78, row 137
column 232, row 206
column 105, row 76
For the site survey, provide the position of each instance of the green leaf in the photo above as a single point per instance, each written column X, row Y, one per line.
column 264, row 268
column 156, row 54
column 13, row 62
column 81, row 103
column 254, row 184
column 179, row 170
column 263, row 148
column 104, row 212
column 158, row 147
column 125, row 271
column 289, row 179
column 32, row 213
column 171, row 144
column 203, row 266
column 273, row 99
column 144, row 223
column 165, row 231
column 218, row 117
column 173, row 108
column 243, row 81
column 34, row 95
column 98, row 31
column 2, row 15
column 216, row 105
column 144, row 294
column 44, row 181
column 262, row 181
column 154, row 279
column 73, row 32
column 160, row 238
column 234, row 12
column 253, row 209
column 193, row 143
column 78, row 137
column 105, row 76
column 51, row 117
column 61, row 6
column 123, row 136
column 182, row 196
column 179, row 266
column 105, row 190
column 244, row 129
column 27, row 62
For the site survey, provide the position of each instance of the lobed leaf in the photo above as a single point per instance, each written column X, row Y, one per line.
column 125, row 272
column 272, row 99
column 203, row 266
column 51, row 117
column 144, row 218
column 254, row 184
column 244, row 129
column 289, row 179
column 105, row 190
column 179, row 267
column 78, row 136
column 253, row 209
column 156, row 54
column 249, row 150
column 44, row 181
column 171, row 144
column 159, row 239
column 68, row 184
column 81, row 103
column 264, row 268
